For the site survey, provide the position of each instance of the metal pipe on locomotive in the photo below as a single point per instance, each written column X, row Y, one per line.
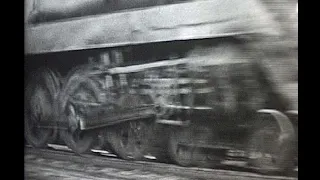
column 194, row 79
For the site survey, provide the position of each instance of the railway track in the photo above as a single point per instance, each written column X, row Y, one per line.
column 107, row 160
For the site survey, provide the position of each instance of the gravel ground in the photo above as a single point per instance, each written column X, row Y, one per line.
column 39, row 168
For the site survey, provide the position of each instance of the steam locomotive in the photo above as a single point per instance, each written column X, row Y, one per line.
column 193, row 82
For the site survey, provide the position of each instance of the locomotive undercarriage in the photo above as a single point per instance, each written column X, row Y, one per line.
column 199, row 108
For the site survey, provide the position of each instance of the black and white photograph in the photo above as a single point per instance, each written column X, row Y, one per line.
column 161, row 89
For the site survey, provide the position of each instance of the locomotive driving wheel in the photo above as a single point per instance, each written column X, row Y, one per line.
column 39, row 99
column 271, row 151
column 129, row 140
column 183, row 150
column 80, row 141
column 74, row 99
column 182, row 155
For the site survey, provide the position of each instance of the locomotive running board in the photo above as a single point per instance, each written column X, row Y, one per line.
column 282, row 120
column 293, row 116
column 206, row 146
column 188, row 107
column 173, row 122
column 178, row 91
column 293, row 112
